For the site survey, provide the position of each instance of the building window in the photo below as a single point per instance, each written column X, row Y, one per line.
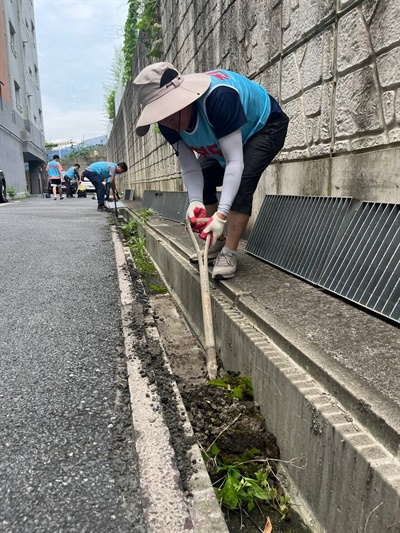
column 36, row 76
column 35, row 119
column 33, row 32
column 12, row 40
column 17, row 90
column 30, row 71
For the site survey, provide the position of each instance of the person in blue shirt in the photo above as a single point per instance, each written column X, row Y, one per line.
column 234, row 126
column 54, row 170
column 71, row 174
column 101, row 171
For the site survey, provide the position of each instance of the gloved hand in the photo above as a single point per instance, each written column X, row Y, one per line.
column 196, row 210
column 215, row 226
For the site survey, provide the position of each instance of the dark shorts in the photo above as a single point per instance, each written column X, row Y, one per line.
column 55, row 182
column 258, row 153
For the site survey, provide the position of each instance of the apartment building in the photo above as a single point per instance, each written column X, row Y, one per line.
column 22, row 152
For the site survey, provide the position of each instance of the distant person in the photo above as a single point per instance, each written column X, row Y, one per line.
column 71, row 174
column 100, row 171
column 54, row 170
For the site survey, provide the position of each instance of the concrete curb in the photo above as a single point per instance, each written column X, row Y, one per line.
column 166, row 507
column 351, row 482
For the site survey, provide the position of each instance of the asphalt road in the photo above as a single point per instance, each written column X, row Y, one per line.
column 67, row 460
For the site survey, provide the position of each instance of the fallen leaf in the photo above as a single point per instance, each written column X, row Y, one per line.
column 268, row 526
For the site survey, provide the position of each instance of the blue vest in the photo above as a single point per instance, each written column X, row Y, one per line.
column 53, row 169
column 101, row 169
column 70, row 173
column 256, row 104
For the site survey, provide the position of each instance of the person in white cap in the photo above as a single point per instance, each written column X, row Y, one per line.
column 235, row 126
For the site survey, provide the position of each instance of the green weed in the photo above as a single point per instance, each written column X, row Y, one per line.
column 137, row 246
column 234, row 488
column 235, row 385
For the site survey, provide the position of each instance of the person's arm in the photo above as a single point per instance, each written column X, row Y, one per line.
column 232, row 150
column 192, row 174
column 193, row 179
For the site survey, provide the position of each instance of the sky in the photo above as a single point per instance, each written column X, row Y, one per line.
column 76, row 41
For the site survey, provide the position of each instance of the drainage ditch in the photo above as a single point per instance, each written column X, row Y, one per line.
column 240, row 454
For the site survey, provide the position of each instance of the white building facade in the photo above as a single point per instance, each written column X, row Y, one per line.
column 22, row 142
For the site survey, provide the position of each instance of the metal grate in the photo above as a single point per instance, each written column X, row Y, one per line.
column 172, row 205
column 296, row 233
column 365, row 265
column 129, row 194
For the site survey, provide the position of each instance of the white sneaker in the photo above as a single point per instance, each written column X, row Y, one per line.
column 224, row 266
column 213, row 252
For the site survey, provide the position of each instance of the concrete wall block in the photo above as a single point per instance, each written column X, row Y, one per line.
column 388, row 106
column 394, row 135
column 310, row 64
column 287, row 10
column 313, row 130
column 368, row 142
column 320, row 150
column 326, row 111
column 385, row 25
column 312, row 101
column 327, row 54
column 290, row 77
column 353, row 42
column 296, row 136
column 292, row 33
column 270, row 80
column 388, row 68
column 327, row 8
column 275, row 25
column 355, row 92
column 308, row 15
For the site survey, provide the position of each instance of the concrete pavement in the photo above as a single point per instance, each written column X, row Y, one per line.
column 67, row 463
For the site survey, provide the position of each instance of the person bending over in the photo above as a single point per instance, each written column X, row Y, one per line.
column 101, row 171
column 237, row 129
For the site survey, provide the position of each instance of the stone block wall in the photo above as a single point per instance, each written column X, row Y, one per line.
column 333, row 66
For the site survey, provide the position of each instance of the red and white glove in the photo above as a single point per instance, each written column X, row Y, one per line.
column 196, row 210
column 215, row 226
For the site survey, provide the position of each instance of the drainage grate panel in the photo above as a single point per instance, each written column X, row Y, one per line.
column 172, row 205
column 296, row 233
column 365, row 265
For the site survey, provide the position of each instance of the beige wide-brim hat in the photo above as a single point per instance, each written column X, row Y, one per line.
column 163, row 91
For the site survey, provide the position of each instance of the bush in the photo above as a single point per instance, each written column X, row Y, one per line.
column 12, row 191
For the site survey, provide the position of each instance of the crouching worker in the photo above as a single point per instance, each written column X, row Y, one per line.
column 235, row 126
column 100, row 171
column 71, row 174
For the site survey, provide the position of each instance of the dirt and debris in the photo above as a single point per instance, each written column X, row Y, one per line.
column 211, row 411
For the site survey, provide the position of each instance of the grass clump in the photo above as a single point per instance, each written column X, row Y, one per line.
column 137, row 246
